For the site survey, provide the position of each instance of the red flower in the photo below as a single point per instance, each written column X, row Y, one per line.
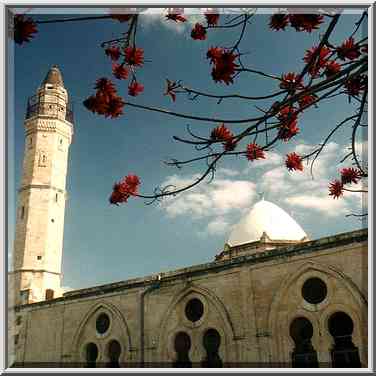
column 115, row 107
column 348, row 50
column 105, row 102
column 198, row 32
column 24, row 28
column 113, row 53
column 127, row 187
column 287, row 114
column 254, row 152
column 290, row 82
column 289, row 123
column 134, row 56
column 350, row 175
column 170, row 90
column 119, row 71
column 278, row 21
column 135, row 88
column 214, row 53
column 176, row 14
column 288, row 130
column 294, row 162
column 336, row 189
column 332, row 68
column 121, row 17
column 320, row 60
column 221, row 133
column 212, row 18
column 230, row 144
column 105, row 86
column 306, row 22
column 355, row 85
column 307, row 100
column 224, row 67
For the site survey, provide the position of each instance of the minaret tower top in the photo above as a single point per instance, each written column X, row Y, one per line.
column 54, row 77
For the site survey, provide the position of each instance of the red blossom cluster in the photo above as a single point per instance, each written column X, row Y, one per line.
column 356, row 85
column 348, row 50
column 120, row 71
column 320, row 62
column 336, row 189
column 348, row 175
column 135, row 88
column 291, row 82
column 300, row 22
column 294, row 162
column 134, row 56
column 289, row 123
column 106, row 101
column 176, row 14
column 127, row 187
column 254, row 152
column 24, row 28
column 113, row 52
column 307, row 100
column 211, row 18
column 221, row 133
column 332, row 68
column 224, row 64
column 198, row 32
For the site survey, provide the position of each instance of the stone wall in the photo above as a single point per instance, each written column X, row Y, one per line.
column 250, row 302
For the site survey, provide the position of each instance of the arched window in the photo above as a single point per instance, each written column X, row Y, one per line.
column 182, row 347
column 304, row 355
column 344, row 353
column 91, row 355
column 49, row 294
column 211, row 342
column 114, row 351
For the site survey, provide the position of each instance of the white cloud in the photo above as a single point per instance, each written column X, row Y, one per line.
column 220, row 197
column 324, row 204
column 217, row 227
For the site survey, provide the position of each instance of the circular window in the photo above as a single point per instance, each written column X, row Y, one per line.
column 314, row 290
column 194, row 310
column 103, row 323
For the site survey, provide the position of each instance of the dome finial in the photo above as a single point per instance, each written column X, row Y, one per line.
column 262, row 195
column 54, row 77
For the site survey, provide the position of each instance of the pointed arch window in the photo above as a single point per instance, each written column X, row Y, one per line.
column 91, row 355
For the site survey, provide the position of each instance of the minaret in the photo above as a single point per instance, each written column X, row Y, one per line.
column 38, row 244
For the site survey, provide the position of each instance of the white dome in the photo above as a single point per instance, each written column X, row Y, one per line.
column 269, row 218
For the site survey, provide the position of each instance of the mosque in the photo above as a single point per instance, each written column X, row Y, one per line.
column 272, row 297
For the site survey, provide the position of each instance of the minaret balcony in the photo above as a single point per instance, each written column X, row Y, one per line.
column 54, row 107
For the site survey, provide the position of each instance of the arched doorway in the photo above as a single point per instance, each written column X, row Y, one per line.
column 211, row 342
column 91, row 355
column 304, row 355
column 114, row 351
column 344, row 353
column 182, row 346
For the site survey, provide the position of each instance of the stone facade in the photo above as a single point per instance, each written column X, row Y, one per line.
column 265, row 303
column 250, row 301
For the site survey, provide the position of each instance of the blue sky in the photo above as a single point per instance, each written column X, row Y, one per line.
column 104, row 243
